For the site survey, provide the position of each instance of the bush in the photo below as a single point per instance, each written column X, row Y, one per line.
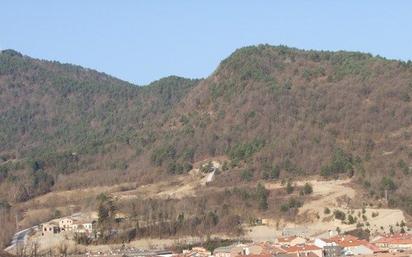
column 292, row 203
column 339, row 215
column 326, row 211
column 351, row 219
column 307, row 189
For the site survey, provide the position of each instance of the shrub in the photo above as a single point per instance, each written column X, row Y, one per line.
column 351, row 219
column 340, row 215
column 307, row 189
column 292, row 203
column 289, row 188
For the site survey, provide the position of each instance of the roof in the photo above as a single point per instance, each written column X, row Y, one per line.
column 300, row 248
column 286, row 255
column 267, row 247
column 351, row 241
column 346, row 240
column 342, row 238
column 309, row 254
column 259, row 255
column 395, row 239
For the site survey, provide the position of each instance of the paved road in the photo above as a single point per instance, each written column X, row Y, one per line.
column 20, row 238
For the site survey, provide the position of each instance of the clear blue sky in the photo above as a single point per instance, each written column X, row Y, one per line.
column 141, row 41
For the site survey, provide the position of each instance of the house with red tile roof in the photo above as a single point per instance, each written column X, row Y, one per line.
column 395, row 242
column 247, row 250
column 304, row 250
column 354, row 246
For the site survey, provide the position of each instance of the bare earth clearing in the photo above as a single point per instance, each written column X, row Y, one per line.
column 335, row 195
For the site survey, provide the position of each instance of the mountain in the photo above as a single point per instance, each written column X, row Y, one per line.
column 275, row 113
column 62, row 118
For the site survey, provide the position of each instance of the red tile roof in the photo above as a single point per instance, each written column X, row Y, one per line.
column 300, row 248
column 350, row 241
column 395, row 239
column 257, row 255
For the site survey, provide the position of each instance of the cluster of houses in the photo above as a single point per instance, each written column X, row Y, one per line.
column 66, row 224
column 397, row 245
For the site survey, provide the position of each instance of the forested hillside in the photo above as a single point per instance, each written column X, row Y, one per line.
column 275, row 112
column 57, row 119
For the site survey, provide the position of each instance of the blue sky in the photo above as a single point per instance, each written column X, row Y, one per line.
column 141, row 41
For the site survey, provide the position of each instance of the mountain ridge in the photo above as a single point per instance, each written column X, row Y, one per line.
column 265, row 107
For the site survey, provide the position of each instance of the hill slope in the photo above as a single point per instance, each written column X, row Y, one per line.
column 276, row 112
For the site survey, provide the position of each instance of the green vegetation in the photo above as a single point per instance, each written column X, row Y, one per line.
column 275, row 112
column 388, row 184
column 289, row 187
column 262, row 195
column 307, row 189
column 340, row 163
column 244, row 151
column 292, row 204
column 271, row 173
column 339, row 215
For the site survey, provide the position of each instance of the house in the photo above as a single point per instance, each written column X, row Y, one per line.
column 352, row 245
column 330, row 248
column 396, row 242
column 286, row 255
column 82, row 227
column 75, row 225
column 290, row 241
column 50, row 228
column 260, row 255
column 253, row 249
column 321, row 243
column 304, row 250
column 65, row 224
column 332, row 251
column 394, row 254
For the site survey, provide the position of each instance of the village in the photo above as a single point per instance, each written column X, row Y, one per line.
column 291, row 243
column 328, row 235
column 332, row 246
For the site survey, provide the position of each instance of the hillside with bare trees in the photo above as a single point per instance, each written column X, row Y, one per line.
column 267, row 112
